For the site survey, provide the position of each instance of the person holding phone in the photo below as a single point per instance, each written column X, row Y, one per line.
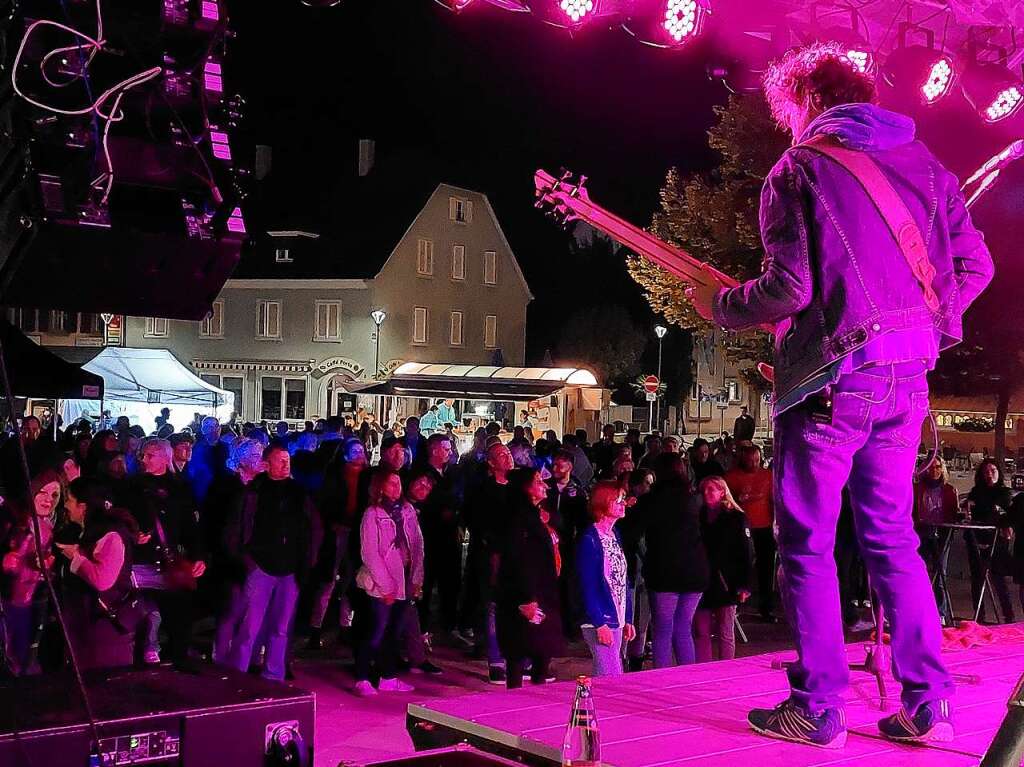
column 528, row 610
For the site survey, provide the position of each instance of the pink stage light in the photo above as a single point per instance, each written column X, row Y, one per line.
column 681, row 19
column 940, row 78
column 1005, row 104
column 209, row 10
column 576, row 10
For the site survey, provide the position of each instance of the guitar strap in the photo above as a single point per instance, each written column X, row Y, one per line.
column 890, row 206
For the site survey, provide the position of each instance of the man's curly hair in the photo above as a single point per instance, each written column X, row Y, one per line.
column 821, row 71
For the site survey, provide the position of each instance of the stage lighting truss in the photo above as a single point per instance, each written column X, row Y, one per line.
column 666, row 23
column 993, row 90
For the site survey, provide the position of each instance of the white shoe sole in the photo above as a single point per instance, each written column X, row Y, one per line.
column 838, row 742
column 940, row 733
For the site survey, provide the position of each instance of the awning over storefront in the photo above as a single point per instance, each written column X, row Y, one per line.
column 419, row 379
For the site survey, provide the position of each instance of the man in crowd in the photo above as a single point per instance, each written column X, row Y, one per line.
column 442, row 541
column 39, row 450
column 582, row 468
column 870, row 262
column 751, row 486
column 272, row 533
column 567, row 505
column 209, row 457
column 743, row 428
column 603, row 452
column 170, row 551
column 486, row 513
column 181, row 444
column 414, row 442
column 702, row 464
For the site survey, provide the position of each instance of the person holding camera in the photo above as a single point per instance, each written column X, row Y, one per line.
column 102, row 606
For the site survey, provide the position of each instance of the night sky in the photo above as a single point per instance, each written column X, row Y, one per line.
column 486, row 96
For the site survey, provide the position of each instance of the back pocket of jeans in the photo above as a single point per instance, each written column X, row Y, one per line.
column 850, row 412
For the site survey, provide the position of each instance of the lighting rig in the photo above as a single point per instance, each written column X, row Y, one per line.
column 126, row 160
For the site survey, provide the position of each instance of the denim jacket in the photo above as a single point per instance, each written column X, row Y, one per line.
column 834, row 280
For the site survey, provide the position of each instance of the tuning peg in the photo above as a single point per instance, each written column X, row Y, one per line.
column 579, row 186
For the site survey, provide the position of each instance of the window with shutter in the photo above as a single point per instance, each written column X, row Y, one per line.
column 460, row 211
column 268, row 320
column 328, row 321
column 491, row 331
column 156, row 327
column 455, row 332
column 490, row 268
column 424, row 257
column 419, row 325
column 459, row 262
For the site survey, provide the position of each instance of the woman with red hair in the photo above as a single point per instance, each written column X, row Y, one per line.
column 602, row 573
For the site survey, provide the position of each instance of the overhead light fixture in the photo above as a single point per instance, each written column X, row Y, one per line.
column 919, row 72
column 993, row 90
column 454, row 5
column 666, row 23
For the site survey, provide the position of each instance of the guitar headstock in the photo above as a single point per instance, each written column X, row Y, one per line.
column 560, row 197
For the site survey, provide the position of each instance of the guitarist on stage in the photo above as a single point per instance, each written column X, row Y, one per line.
column 860, row 316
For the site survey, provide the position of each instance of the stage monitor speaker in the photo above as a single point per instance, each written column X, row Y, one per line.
column 213, row 718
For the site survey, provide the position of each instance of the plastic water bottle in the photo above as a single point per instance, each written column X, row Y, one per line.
column 582, row 744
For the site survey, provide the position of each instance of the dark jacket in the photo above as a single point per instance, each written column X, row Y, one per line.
column 985, row 500
column 527, row 574
column 834, row 278
column 676, row 560
column 167, row 498
column 595, row 596
column 439, row 516
column 730, row 557
column 270, row 516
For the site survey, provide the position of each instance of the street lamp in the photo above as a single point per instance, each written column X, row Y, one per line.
column 659, row 331
column 378, row 316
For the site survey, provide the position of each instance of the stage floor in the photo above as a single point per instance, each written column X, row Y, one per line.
column 697, row 714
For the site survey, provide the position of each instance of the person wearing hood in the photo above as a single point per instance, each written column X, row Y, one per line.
column 859, row 318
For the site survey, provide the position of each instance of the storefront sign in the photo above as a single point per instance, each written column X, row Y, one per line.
column 338, row 365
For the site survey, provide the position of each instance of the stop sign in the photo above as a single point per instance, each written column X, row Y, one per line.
column 651, row 384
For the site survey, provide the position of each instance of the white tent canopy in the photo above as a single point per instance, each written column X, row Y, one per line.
column 139, row 382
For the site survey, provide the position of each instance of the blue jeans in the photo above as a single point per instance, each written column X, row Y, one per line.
column 672, row 615
column 379, row 645
column 869, row 444
column 270, row 597
column 607, row 658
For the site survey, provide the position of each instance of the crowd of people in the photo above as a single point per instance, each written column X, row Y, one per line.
column 510, row 549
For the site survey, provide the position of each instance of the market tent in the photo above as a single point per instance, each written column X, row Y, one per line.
column 139, row 382
column 38, row 373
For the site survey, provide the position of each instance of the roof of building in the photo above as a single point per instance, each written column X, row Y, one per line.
column 373, row 215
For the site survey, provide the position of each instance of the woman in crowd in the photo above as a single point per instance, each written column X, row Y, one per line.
column 936, row 502
column 529, row 622
column 731, row 562
column 391, row 548
column 341, row 498
column 413, row 644
column 24, row 593
column 987, row 503
column 676, row 567
column 102, row 607
column 603, row 577
column 640, row 483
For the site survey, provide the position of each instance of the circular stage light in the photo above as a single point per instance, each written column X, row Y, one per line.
column 576, row 10
column 993, row 91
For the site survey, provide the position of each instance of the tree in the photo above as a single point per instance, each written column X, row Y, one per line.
column 604, row 338
column 714, row 217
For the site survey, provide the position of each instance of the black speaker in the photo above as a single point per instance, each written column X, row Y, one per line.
column 140, row 215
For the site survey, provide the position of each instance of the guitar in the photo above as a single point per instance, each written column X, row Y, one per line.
column 566, row 201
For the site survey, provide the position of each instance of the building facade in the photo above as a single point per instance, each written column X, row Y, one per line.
column 719, row 392
column 296, row 347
